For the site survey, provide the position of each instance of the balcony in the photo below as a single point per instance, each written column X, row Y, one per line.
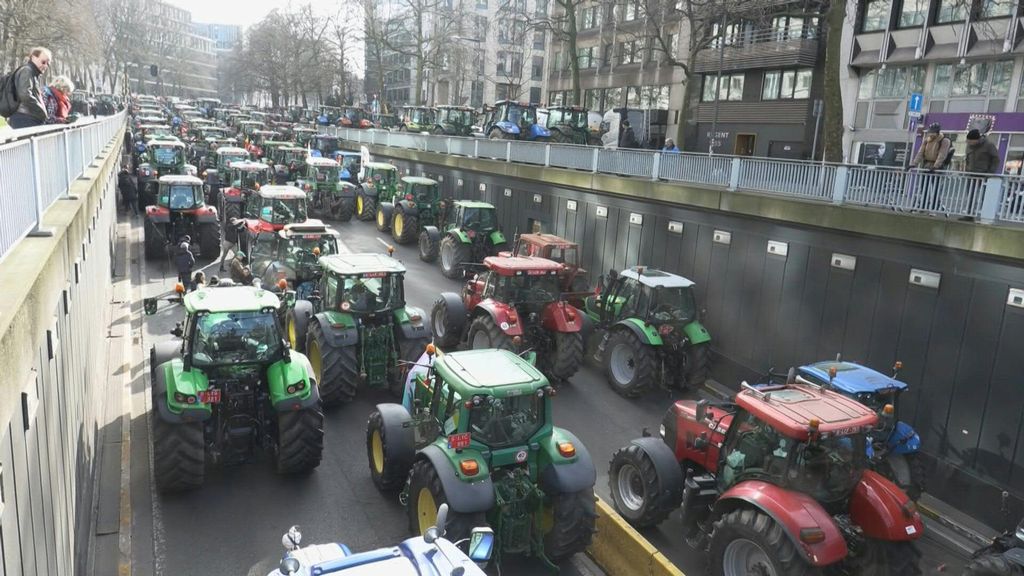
column 773, row 48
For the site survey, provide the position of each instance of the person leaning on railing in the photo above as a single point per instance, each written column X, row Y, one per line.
column 982, row 158
column 57, row 98
column 935, row 153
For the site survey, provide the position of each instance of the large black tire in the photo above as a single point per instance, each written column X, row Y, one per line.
column 484, row 334
column 992, row 565
column 636, row 488
column 565, row 358
column 382, row 219
column 698, row 365
column 628, row 364
column 447, row 321
column 882, row 558
column 336, row 367
column 409, row 350
column 404, row 227
column 300, row 440
column 366, row 207
column 423, row 480
column 429, row 248
column 388, row 467
column 498, row 134
column 454, row 255
column 761, row 534
column 574, row 516
column 179, row 455
column 209, row 240
column 232, row 210
column 297, row 324
column 341, row 209
column 154, row 241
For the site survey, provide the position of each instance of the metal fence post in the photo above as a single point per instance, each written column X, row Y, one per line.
column 734, row 174
column 448, row 145
column 994, row 191
column 38, row 229
column 656, row 166
column 476, row 148
column 593, row 164
column 547, row 154
column 67, row 159
column 508, row 151
column 840, row 184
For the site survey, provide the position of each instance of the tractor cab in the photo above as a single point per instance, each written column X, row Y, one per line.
column 387, row 121
column 381, row 177
column 259, row 139
column 510, row 120
column 249, row 175
column 565, row 252
column 321, row 172
column 363, row 284
column 248, row 127
column 655, row 297
column 271, row 146
column 289, row 162
column 227, row 155
column 271, row 207
column 351, row 165
column 521, row 281
column 423, row 191
column 454, row 121
column 177, row 193
column 167, row 156
column 293, row 255
column 353, row 117
column 568, row 124
column 417, row 119
column 476, row 218
column 302, row 135
column 323, row 145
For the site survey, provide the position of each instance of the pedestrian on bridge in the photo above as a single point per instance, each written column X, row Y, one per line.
column 935, row 153
column 982, row 158
column 31, row 111
column 57, row 98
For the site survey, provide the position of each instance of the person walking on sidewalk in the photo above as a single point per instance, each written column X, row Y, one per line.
column 184, row 260
column 982, row 158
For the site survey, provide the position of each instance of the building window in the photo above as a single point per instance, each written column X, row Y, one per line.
column 477, row 96
column 537, row 68
column 951, row 11
column 654, row 97
column 727, row 36
column 633, row 97
column 612, row 98
column 587, row 57
column 535, row 95
column 731, row 88
column 590, row 18
column 556, row 98
column 479, row 27
column 502, row 62
column 592, row 99
column 542, row 8
column 481, row 4
column 1001, row 73
column 673, row 45
column 630, row 52
column 876, row 14
column 914, row 13
column 891, row 82
column 787, row 84
column 538, row 39
column 556, row 61
column 501, row 92
column 629, row 11
column 996, row 8
column 770, row 87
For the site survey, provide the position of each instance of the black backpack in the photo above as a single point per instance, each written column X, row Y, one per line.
column 949, row 155
column 9, row 94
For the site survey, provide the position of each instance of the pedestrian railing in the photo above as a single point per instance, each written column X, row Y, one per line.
column 37, row 167
column 986, row 197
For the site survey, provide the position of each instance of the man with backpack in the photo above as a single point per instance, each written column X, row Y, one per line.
column 935, row 153
column 21, row 100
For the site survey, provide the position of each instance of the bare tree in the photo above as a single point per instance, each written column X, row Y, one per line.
column 561, row 25
column 419, row 30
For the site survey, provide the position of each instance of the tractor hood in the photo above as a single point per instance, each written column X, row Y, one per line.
column 414, row 557
column 852, row 378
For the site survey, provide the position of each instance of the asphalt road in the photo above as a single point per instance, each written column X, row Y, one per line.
column 235, row 522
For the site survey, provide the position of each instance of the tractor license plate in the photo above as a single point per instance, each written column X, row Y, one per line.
column 209, row 396
column 458, row 441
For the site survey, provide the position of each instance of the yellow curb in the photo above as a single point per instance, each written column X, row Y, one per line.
column 622, row 551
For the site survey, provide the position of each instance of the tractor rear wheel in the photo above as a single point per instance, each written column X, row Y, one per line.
column 404, row 226
column 389, row 466
column 429, row 248
column 565, row 358
column 698, row 364
column 336, row 367
column 366, row 207
column 179, row 455
column 447, row 319
column 209, row 240
column 297, row 324
column 992, row 565
column 383, row 219
column 300, row 440
column 484, row 334
column 154, row 242
column 426, row 493
column 637, row 491
column 574, row 516
column 454, row 255
column 629, row 364
column 341, row 209
column 748, row 541
column 882, row 558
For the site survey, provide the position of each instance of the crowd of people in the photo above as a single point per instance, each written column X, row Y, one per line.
column 28, row 102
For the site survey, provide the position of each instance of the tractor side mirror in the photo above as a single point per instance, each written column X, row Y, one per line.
column 149, row 306
column 177, row 331
column 702, row 410
column 481, row 544
column 701, row 443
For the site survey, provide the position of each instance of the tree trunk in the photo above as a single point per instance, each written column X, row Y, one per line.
column 686, row 139
column 574, row 62
column 832, row 130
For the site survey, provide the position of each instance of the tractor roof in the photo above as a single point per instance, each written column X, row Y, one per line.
column 474, row 204
column 304, row 129
column 656, row 278
column 547, row 240
column 852, row 377
column 357, row 264
column 230, row 299
column 452, row 107
column 181, row 179
column 417, row 107
column 265, row 133
column 158, row 143
column 522, row 265
column 380, row 166
column 320, row 161
column 281, row 191
column 419, row 180
column 569, row 108
column 311, row 226
column 492, row 372
column 231, row 150
column 291, row 147
column 279, row 143
column 326, row 137
column 249, row 165
column 348, row 154
column 789, row 408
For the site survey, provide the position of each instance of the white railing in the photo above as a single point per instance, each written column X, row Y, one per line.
column 988, row 198
column 37, row 167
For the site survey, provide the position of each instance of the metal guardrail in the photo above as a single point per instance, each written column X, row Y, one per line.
column 37, row 167
column 983, row 196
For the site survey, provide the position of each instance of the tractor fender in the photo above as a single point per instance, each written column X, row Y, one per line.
column 207, row 215
column 883, row 511
column 281, row 374
column 370, row 191
column 696, row 333
column 459, row 235
column 499, row 312
column 432, row 232
column 232, row 195
column 160, row 392
column 463, row 497
column 647, row 334
column 538, row 131
column 496, row 238
column 670, row 475
column 413, row 329
column 564, row 475
column 398, row 430
column 341, row 333
column 162, row 352
column 408, row 206
column 508, row 127
column 903, row 439
column 158, row 214
column 561, row 317
column 792, row 511
column 346, row 190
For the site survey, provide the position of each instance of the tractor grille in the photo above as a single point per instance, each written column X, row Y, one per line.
column 517, row 498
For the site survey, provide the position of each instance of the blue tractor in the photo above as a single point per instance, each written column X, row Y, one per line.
column 510, row 120
column 350, row 163
column 895, row 451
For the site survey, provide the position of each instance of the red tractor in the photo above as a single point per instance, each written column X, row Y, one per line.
column 514, row 305
column 573, row 277
column 775, row 483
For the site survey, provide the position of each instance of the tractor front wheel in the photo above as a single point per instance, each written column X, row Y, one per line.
column 404, row 226
column 698, row 364
column 389, row 466
column 341, row 209
column 636, row 488
column 454, row 255
column 366, row 207
column 484, row 334
column 629, row 364
column 564, row 359
column 300, row 440
column 748, row 541
column 993, row 565
column 429, row 247
column 179, row 455
column 336, row 367
column 425, row 494
column 209, row 241
column 383, row 219
column 574, row 516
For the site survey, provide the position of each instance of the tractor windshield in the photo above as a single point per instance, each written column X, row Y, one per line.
column 564, row 255
column 371, row 292
column 326, row 173
column 182, row 197
column 501, row 422
column 299, row 249
column 828, row 469
column 326, row 146
column 227, row 159
column 674, row 304
column 528, row 289
column 460, row 117
column 168, row 155
column 423, row 192
column 384, row 177
column 478, row 218
column 233, row 337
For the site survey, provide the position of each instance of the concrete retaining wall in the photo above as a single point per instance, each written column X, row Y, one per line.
column 53, row 342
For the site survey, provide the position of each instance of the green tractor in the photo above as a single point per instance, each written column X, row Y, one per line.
column 649, row 330
column 229, row 384
column 356, row 326
column 417, row 119
column 288, row 163
column 470, row 234
column 418, row 201
column 380, row 184
column 161, row 158
column 453, row 121
column 328, row 196
column 475, row 432
column 568, row 124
